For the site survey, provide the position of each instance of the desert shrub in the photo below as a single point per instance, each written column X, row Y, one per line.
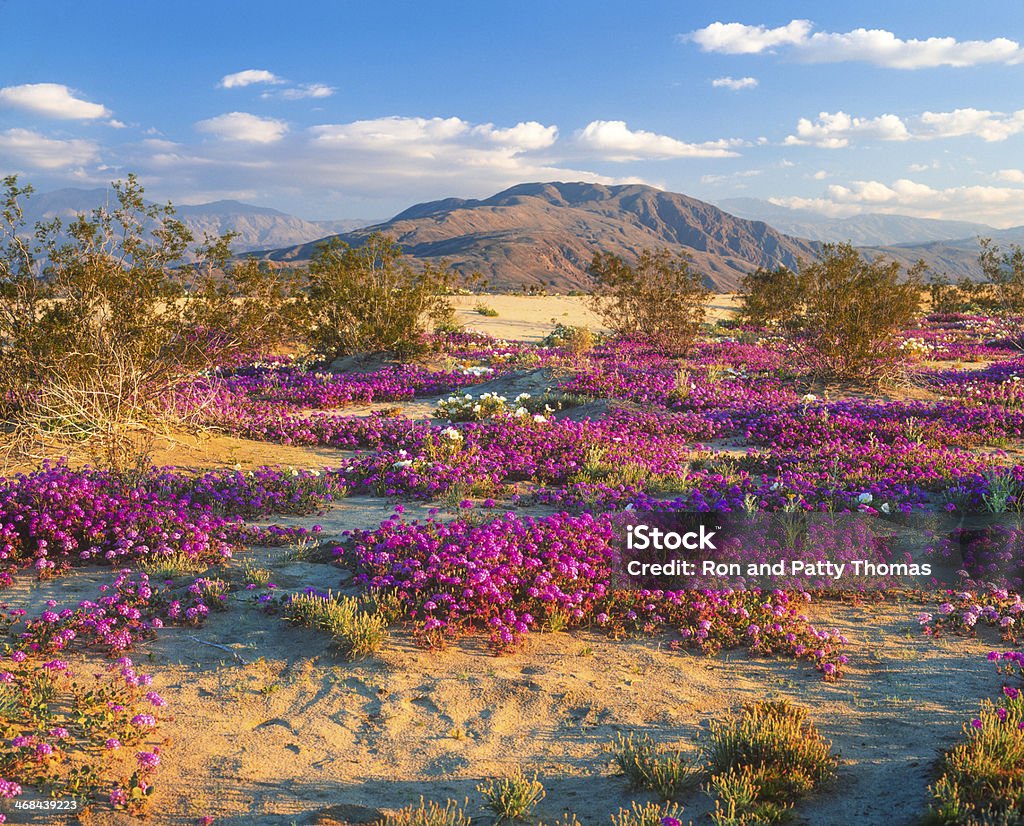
column 101, row 320
column 512, row 797
column 357, row 627
column 982, row 778
column 853, row 309
column 371, row 298
column 428, row 814
column 659, row 768
column 770, row 297
column 660, row 298
column 649, row 815
column 486, row 310
column 1004, row 271
column 763, row 760
column 577, row 340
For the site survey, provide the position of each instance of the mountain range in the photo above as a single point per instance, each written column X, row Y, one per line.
column 257, row 227
column 544, row 235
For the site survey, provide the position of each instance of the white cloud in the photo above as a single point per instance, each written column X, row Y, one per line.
column 306, row 90
column 1011, row 176
column 996, row 205
column 736, row 38
column 248, row 77
column 28, row 148
column 734, row 83
column 989, row 126
column 612, row 140
column 877, row 46
column 52, row 100
column 820, row 175
column 241, row 126
column 834, row 130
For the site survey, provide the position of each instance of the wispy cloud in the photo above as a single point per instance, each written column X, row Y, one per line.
column 244, row 127
column 877, row 46
column 25, row 148
column 613, row 140
column 734, row 83
column 997, row 205
column 305, row 90
column 52, row 100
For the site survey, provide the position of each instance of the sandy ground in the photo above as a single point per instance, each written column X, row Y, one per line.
column 531, row 317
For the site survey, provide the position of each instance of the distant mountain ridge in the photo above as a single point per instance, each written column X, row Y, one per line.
column 257, row 227
column 866, row 230
column 545, row 234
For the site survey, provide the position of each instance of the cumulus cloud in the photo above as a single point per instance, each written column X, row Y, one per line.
column 996, row 205
column 248, row 77
column 1012, row 176
column 244, row 127
column 52, row 100
column 612, row 140
column 23, row 147
column 737, row 38
column 877, row 46
column 734, row 83
column 836, row 130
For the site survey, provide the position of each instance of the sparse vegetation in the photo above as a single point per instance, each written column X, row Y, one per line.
column 428, row 814
column 372, row 298
column 357, row 627
column 660, row 298
column 512, row 797
column 659, row 768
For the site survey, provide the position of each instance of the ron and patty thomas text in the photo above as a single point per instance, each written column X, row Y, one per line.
column 644, row 537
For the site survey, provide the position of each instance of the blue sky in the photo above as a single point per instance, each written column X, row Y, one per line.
column 338, row 109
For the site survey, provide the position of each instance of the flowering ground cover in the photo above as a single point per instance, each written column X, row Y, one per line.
column 476, row 539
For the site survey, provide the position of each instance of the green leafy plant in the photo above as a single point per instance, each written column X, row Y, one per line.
column 359, row 629
column 660, row 298
column 514, row 796
column 659, row 768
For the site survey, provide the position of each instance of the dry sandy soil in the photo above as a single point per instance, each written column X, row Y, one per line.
column 271, row 726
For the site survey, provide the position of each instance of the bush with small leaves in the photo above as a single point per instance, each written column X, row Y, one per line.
column 428, row 814
column 759, row 763
column 659, row 768
column 514, row 796
column 358, row 628
column 649, row 815
column 982, row 778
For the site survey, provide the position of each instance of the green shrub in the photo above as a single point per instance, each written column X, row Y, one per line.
column 853, row 309
column 661, row 769
column 770, row 297
column 982, row 779
column 660, row 299
column 358, row 628
column 485, row 310
column 763, row 760
column 428, row 814
column 512, row 797
column 370, row 298
column 102, row 319
column 648, row 815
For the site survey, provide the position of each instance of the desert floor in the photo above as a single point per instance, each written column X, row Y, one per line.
column 271, row 726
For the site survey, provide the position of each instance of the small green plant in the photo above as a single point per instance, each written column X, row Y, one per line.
column 512, row 797
column 172, row 565
column 762, row 761
column 982, row 778
column 486, row 310
column 659, row 768
column 253, row 575
column 428, row 814
column 359, row 629
column 1003, row 492
column 649, row 815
